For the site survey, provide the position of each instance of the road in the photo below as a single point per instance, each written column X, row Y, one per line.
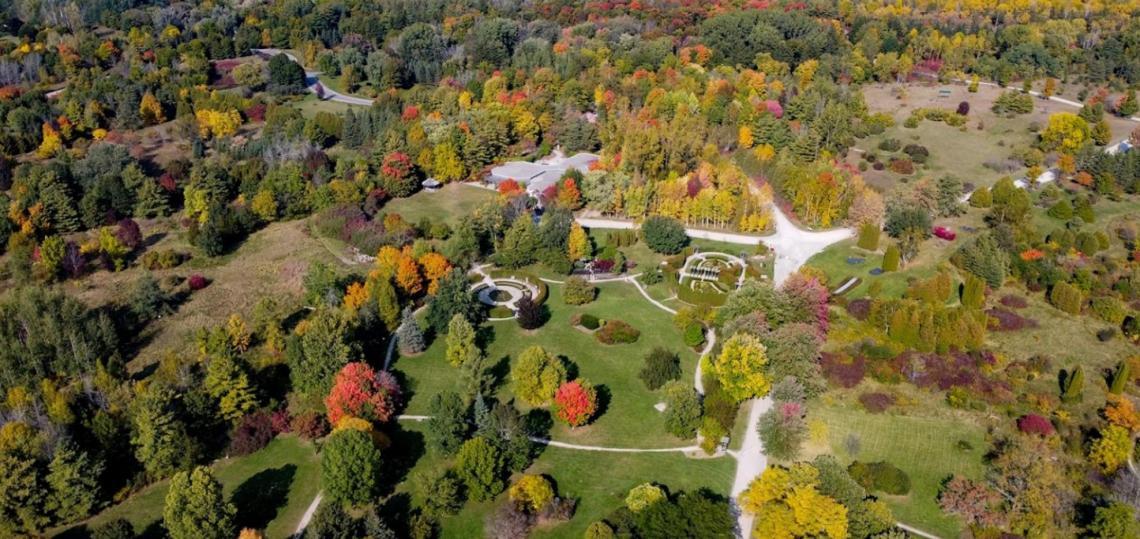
column 313, row 82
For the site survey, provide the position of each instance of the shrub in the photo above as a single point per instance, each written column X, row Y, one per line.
column 530, row 314
column 165, row 259
column 900, row 165
column 664, row 234
column 310, row 425
column 252, row 433
column 876, row 403
column 1003, row 320
column 963, row 108
column 1013, row 102
column 578, row 291
column 891, row 259
column 890, row 145
column 1034, row 424
column 617, row 332
column 694, row 335
column 869, row 236
column 917, row 152
column 859, row 309
column 589, row 321
column 880, row 476
column 197, row 282
column 1110, row 309
column 1014, row 302
column 1066, row 297
column 1061, row 210
column 1106, row 334
column 661, row 366
column 843, row 370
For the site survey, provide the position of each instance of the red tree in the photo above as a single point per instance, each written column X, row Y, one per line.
column 569, row 196
column 360, row 391
column 575, row 403
column 808, row 294
column 396, row 165
column 1034, row 424
column 510, row 188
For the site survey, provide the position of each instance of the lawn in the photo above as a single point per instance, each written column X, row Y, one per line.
column 589, row 478
column 627, row 417
column 310, row 105
column 453, row 203
column 271, row 488
column 925, row 448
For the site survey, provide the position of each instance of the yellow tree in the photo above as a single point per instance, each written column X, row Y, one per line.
column 408, row 276
column 1066, row 132
column 51, row 142
column 435, row 266
column 740, row 367
column 150, row 110
column 744, row 137
column 216, row 124
column 578, row 243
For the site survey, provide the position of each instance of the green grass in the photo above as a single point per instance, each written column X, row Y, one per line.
column 628, row 419
column 925, row 448
column 310, row 105
column 271, row 489
column 598, row 481
column 452, row 203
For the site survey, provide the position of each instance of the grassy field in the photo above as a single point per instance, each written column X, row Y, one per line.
column 271, row 261
column 310, row 105
column 588, row 478
column 453, row 203
column 925, row 448
column 271, row 489
column 627, row 418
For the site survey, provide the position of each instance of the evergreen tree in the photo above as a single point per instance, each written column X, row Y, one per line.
column 59, row 204
column 22, row 495
column 891, row 259
column 1129, row 106
column 229, row 385
column 409, row 336
column 949, row 196
column 453, row 297
column 162, row 443
column 448, row 424
column 1073, row 386
column 74, row 481
column 1121, row 378
column 461, row 348
column 317, row 355
column 350, row 467
column 352, row 134
column 869, row 236
column 387, row 303
column 196, row 507
column 151, row 200
column 973, row 292
column 519, row 244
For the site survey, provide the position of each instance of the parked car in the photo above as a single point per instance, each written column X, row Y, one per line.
column 945, row 233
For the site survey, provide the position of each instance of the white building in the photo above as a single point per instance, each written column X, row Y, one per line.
column 538, row 176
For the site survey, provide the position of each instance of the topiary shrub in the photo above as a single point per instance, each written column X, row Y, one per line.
column 661, row 366
column 1109, row 309
column 880, row 476
column 617, row 332
column 891, row 259
column 869, row 236
column 1034, row 424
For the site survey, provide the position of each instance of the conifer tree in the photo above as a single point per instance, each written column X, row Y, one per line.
column 409, row 336
column 1121, row 378
column 1073, row 385
column 151, row 201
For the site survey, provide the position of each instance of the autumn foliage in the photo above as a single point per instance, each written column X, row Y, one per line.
column 360, row 391
column 575, row 403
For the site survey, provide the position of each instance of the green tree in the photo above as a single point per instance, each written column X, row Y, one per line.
column 519, row 245
column 74, row 481
column 453, row 297
column 409, row 336
column 387, row 303
column 151, row 200
column 196, row 507
column 480, row 466
column 285, row 75
column 438, row 491
column 1072, row 385
column 1067, row 297
column 664, row 234
column 536, row 376
column 973, row 292
column 1121, row 378
column 740, row 367
column 1129, row 105
column 322, row 350
column 869, row 236
column 448, row 424
column 682, row 410
column 148, row 301
column 350, row 467
column 891, row 258
column 461, row 348
column 23, row 495
column 161, row 440
column 984, row 258
column 1115, row 520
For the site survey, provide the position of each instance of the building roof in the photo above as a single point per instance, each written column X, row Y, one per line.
column 538, row 176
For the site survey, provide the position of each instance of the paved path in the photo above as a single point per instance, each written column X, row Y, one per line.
column 641, row 289
column 313, row 82
column 308, row 516
column 750, row 461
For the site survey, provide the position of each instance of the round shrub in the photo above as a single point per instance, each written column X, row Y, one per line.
column 310, row 425
column 664, row 235
column 578, row 291
column 694, row 335
column 1106, row 334
column 1110, row 309
column 589, row 321
column 878, row 165
column 1034, row 424
column 876, row 403
column 900, row 165
column 880, row 476
column 917, row 153
column 197, row 282
column 890, row 145
column 617, row 332
column 1066, row 297
column 252, row 433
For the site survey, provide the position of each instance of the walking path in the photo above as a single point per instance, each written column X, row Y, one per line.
column 313, row 81
column 308, row 516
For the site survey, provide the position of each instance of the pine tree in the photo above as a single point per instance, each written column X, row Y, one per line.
column 409, row 336
column 869, row 236
column 196, row 507
column 1121, row 378
column 59, row 204
column 352, row 134
column 151, row 201
column 387, row 304
column 226, row 382
column 973, row 292
column 461, row 347
column 1129, row 106
column 74, row 481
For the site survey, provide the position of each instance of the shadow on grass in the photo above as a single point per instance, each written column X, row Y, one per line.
column 260, row 497
column 498, row 374
column 407, row 448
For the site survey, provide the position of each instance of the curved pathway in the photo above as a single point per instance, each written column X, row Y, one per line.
column 313, row 81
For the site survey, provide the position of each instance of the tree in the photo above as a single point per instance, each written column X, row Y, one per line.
column 148, row 300
column 453, row 297
column 23, row 495
column 1067, row 297
column 537, row 375
column 1116, row 520
column 973, row 292
column 869, row 236
column 1072, row 385
column 408, row 276
column 975, row 502
column 1128, row 106
column 285, row 76
column 1121, row 378
column 783, row 430
column 664, row 235
column 1065, row 132
column 320, row 352
column 682, row 410
column 350, row 467
column 661, row 366
column 984, row 258
column 409, row 336
column 227, row 383
column 519, row 244
column 332, row 522
column 529, row 314
column 119, row 528
column 360, row 391
column 150, row 110
column 423, row 51
column 891, row 258
column 1112, row 450
column 480, row 466
column 74, row 481
column 161, row 440
column 448, row 424
column 532, row 491
column 197, row 508
column 740, row 367
column 793, row 351
column 575, row 403
column 578, row 243
column 397, row 175
column 461, row 347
